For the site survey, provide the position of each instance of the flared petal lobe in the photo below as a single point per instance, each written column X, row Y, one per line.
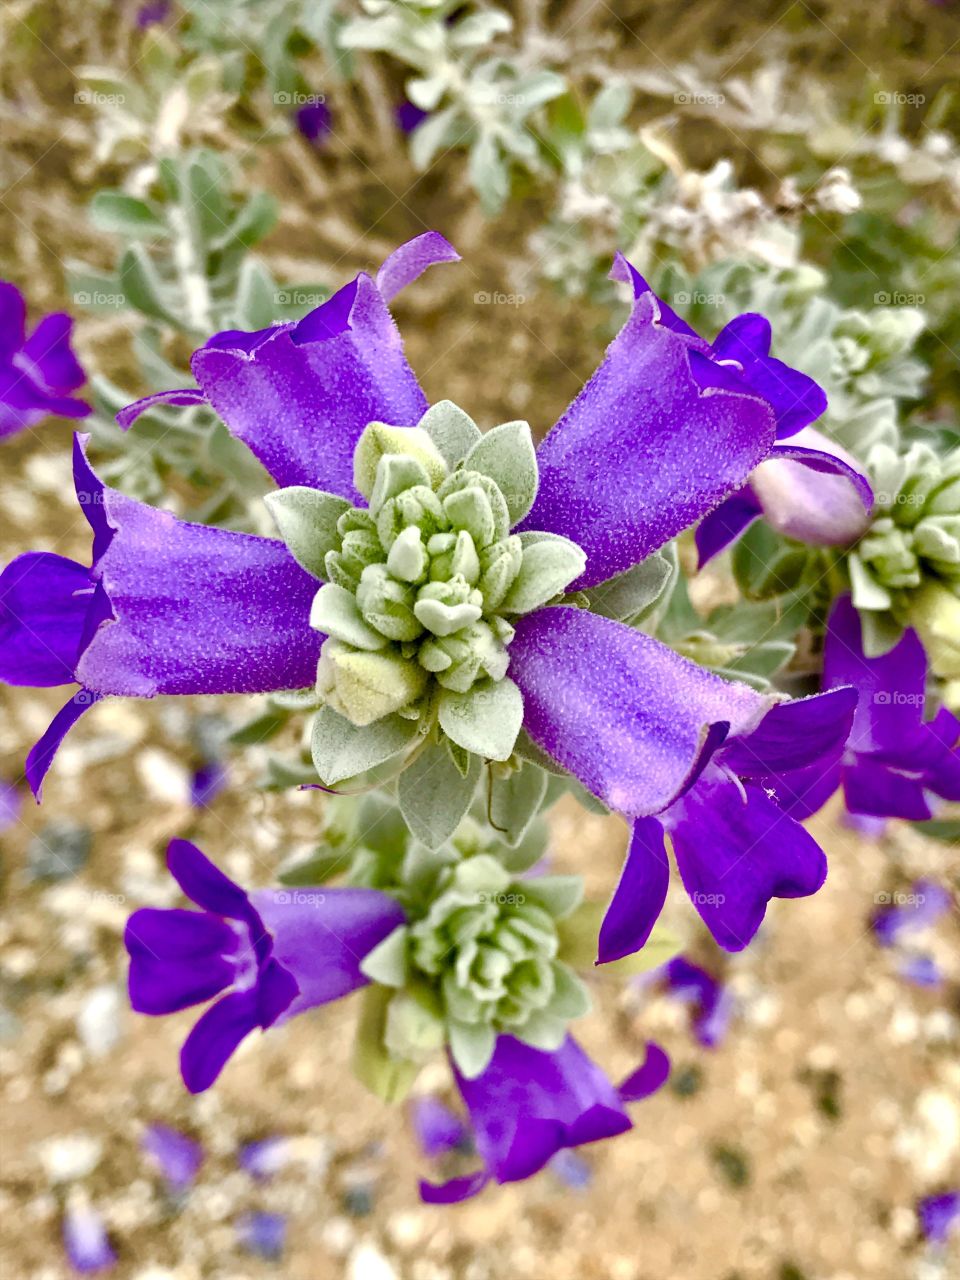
column 644, row 450
column 44, row 603
column 301, row 397
column 625, row 714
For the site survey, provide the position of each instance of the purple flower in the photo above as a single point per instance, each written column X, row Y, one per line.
column 810, row 490
column 734, row 831
column 926, row 902
column 178, row 1156
column 206, row 783
column 894, row 759
column 528, row 1104
column 265, row 1158
column 263, row 1233
column 437, row 1128
column 38, row 371
column 10, row 804
column 408, row 116
column 85, row 1238
column 712, row 1002
column 665, row 429
column 148, row 15
column 314, row 121
column 921, row 970
column 939, row 1216
column 268, row 956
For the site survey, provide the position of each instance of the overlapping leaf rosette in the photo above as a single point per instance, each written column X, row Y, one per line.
column 458, row 606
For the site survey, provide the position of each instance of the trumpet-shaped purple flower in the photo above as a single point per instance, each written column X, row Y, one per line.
column 36, row 372
column 812, row 492
column 665, row 429
column 529, row 1104
column 894, row 761
column 267, row 956
column 735, row 839
column 922, row 907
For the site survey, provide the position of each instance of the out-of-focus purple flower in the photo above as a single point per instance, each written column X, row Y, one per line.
column 206, row 783
column 437, row 1128
column 36, row 372
column 572, row 1170
column 865, row 824
column 178, row 1156
column 85, row 1238
column 894, row 760
column 11, row 802
column 262, row 1233
column 314, row 121
column 922, row 907
column 265, row 1158
column 529, row 1104
column 712, row 1001
column 921, row 970
column 408, row 115
column 939, row 1216
column 149, row 15
column 735, row 830
column 268, row 956
column 664, row 430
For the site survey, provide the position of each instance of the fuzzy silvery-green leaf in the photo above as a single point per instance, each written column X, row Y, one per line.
column 387, row 1076
column 867, row 593
column 515, row 801
column 387, row 962
column 451, row 430
column 880, row 632
column 542, row 1031
column 527, row 749
column 396, row 472
column 414, row 1027
column 431, row 135
column 379, row 439
column 124, row 215
column 306, row 520
column 335, row 612
column 570, row 997
column 485, row 720
column 507, row 455
column 341, row 750
column 471, row 1047
column 550, row 563
column 434, row 796
column 364, row 687
column 142, row 286
column 631, row 594
column 558, row 895
column 256, row 295
column 530, row 849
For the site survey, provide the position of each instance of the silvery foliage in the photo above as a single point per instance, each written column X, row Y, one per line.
column 477, row 96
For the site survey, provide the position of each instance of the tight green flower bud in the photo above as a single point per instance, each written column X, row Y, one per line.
column 463, row 496
column 499, row 565
column 366, row 686
column 408, row 559
column 448, row 607
column 459, row 660
column 378, row 439
column 418, row 506
column 387, row 605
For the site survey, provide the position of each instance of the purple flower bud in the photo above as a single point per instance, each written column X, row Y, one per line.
column 36, row 372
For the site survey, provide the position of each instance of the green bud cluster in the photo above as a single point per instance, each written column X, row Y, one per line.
column 906, row 568
column 424, row 584
column 481, row 960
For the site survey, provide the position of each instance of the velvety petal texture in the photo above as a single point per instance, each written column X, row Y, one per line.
column 639, row 896
column 644, row 450
column 197, row 609
column 411, row 260
column 625, row 714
